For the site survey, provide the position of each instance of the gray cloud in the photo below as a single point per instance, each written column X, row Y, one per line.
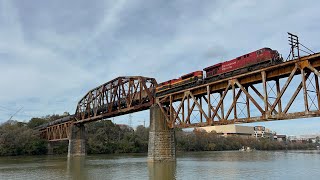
column 52, row 53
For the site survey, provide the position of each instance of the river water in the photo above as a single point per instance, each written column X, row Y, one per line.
column 195, row 165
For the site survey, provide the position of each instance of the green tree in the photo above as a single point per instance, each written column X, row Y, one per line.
column 20, row 140
column 35, row 122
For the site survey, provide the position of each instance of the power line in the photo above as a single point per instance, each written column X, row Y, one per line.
column 5, row 108
column 15, row 113
column 2, row 109
column 307, row 48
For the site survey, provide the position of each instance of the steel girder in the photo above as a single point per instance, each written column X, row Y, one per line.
column 58, row 132
column 119, row 96
column 261, row 95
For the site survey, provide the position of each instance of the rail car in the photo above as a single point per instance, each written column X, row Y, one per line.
column 257, row 59
column 58, row 121
column 181, row 81
column 135, row 99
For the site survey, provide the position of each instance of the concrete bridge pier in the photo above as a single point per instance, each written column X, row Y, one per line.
column 161, row 138
column 77, row 141
column 50, row 148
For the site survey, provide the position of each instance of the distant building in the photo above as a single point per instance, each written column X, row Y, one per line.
column 230, row 130
column 292, row 138
column 280, row 138
column 243, row 131
column 262, row 132
column 304, row 138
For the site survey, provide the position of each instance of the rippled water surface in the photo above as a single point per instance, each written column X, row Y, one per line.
column 197, row 165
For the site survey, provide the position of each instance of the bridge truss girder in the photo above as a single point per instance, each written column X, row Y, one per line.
column 119, row 96
column 57, row 132
column 262, row 95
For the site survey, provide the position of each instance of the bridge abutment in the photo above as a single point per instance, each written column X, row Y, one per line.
column 77, row 141
column 161, row 138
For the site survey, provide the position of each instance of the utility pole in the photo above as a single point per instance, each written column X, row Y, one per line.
column 15, row 113
column 130, row 120
column 294, row 43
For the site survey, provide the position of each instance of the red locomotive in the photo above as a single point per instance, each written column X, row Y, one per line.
column 254, row 60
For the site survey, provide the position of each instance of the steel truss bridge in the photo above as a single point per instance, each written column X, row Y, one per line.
column 262, row 95
column 289, row 90
column 119, row 96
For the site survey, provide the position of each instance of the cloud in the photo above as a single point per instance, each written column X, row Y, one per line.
column 52, row 53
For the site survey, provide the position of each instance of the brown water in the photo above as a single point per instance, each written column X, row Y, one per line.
column 197, row 165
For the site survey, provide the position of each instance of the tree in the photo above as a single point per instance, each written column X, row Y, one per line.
column 35, row 122
column 20, row 140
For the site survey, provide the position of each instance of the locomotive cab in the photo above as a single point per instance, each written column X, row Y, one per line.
column 212, row 70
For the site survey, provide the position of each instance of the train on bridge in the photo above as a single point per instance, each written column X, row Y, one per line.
column 261, row 58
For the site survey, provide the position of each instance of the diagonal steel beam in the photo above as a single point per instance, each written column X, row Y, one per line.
column 220, row 102
column 250, row 97
column 211, row 108
column 261, row 97
column 233, row 104
column 293, row 97
column 165, row 114
column 180, row 105
column 284, row 87
column 199, row 107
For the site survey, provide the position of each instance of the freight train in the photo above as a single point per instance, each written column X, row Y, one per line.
column 185, row 79
column 255, row 60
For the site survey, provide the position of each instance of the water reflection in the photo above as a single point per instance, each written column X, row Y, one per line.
column 197, row 165
column 229, row 156
column 162, row 170
column 76, row 168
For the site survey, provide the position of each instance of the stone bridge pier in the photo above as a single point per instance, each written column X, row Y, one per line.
column 161, row 145
column 161, row 138
column 77, row 141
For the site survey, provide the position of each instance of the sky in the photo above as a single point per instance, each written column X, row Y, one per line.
column 53, row 52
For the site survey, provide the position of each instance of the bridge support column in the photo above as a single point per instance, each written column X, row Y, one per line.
column 50, row 148
column 161, row 138
column 77, row 141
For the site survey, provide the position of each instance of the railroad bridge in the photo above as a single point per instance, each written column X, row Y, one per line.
column 267, row 94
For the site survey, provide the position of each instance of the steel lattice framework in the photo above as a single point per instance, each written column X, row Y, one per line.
column 288, row 90
column 261, row 95
column 119, row 96
column 57, row 132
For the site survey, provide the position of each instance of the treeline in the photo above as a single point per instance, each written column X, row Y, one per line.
column 204, row 141
column 105, row 137
column 20, row 138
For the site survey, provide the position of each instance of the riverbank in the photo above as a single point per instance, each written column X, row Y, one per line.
column 105, row 137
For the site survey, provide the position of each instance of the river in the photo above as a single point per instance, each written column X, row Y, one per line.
column 194, row 165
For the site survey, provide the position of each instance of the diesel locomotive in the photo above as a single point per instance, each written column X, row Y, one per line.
column 252, row 61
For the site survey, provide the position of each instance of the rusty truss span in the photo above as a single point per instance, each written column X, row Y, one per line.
column 261, row 95
column 119, row 96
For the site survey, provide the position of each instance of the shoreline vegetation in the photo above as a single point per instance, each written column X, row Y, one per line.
column 105, row 137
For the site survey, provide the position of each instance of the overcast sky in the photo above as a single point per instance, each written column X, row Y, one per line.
column 53, row 52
